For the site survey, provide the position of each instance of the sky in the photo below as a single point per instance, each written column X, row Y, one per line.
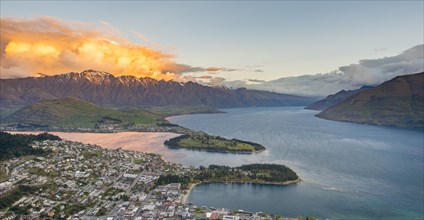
column 241, row 41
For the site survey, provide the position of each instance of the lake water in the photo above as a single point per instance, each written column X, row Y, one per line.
column 349, row 171
column 149, row 142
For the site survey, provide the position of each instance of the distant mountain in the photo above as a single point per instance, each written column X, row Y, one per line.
column 75, row 113
column 128, row 91
column 398, row 102
column 335, row 99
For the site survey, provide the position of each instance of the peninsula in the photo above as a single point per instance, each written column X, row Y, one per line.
column 57, row 180
column 75, row 115
column 274, row 174
column 205, row 142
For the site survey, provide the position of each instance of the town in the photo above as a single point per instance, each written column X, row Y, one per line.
column 83, row 181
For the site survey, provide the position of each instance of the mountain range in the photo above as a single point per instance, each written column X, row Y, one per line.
column 335, row 99
column 398, row 102
column 106, row 90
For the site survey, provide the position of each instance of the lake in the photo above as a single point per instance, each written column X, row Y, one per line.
column 349, row 171
column 149, row 142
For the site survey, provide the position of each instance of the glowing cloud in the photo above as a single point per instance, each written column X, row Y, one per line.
column 52, row 46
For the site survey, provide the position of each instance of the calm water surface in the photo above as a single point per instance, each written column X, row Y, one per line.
column 349, row 171
column 150, row 142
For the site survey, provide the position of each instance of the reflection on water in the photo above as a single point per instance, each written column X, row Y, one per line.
column 151, row 142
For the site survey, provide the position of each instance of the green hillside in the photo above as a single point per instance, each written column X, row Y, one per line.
column 75, row 113
column 398, row 102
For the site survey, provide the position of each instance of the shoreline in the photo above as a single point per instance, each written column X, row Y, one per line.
column 184, row 198
column 115, row 132
column 217, row 151
column 289, row 182
column 193, row 113
column 156, row 129
column 186, row 195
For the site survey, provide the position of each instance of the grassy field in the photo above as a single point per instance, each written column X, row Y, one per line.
column 203, row 141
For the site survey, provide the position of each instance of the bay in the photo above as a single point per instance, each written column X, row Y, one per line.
column 348, row 171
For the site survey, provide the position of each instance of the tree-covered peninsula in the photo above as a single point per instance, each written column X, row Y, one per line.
column 252, row 173
column 205, row 142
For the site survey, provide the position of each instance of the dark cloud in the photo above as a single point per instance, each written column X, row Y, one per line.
column 256, row 80
column 181, row 68
column 203, row 77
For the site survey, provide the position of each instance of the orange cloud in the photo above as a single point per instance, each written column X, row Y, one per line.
column 52, row 46
column 215, row 69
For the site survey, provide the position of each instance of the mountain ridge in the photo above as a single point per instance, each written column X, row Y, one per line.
column 336, row 98
column 398, row 102
column 106, row 90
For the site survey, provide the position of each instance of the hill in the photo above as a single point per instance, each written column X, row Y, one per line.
column 76, row 113
column 107, row 90
column 335, row 99
column 16, row 145
column 398, row 102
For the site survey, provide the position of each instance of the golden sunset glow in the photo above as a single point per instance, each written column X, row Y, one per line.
column 51, row 46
